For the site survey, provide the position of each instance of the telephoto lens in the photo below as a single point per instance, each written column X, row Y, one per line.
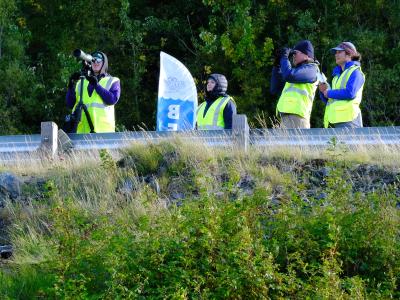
column 78, row 53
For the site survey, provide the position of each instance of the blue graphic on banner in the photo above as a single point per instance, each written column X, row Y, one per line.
column 175, row 115
column 177, row 96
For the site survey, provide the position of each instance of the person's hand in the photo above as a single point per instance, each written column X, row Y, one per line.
column 92, row 80
column 285, row 52
column 73, row 78
column 323, row 88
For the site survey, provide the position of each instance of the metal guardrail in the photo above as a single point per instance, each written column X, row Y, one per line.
column 19, row 143
column 51, row 140
column 325, row 136
column 15, row 147
column 123, row 139
column 258, row 137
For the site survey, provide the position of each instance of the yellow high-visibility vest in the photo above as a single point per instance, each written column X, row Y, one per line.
column 214, row 118
column 102, row 115
column 338, row 111
column 297, row 98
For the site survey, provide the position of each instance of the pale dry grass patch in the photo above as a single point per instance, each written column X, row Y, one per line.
column 273, row 175
column 388, row 156
column 33, row 164
column 28, row 230
column 290, row 153
column 362, row 152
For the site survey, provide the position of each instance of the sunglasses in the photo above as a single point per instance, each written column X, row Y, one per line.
column 97, row 60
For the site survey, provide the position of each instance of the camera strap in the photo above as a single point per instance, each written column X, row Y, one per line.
column 88, row 118
column 83, row 106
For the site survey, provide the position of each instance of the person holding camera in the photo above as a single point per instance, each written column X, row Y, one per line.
column 343, row 100
column 100, row 92
column 217, row 111
column 297, row 84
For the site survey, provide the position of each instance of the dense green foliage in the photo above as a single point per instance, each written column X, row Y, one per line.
column 221, row 226
column 234, row 38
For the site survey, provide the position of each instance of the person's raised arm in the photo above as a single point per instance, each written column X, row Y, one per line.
column 305, row 73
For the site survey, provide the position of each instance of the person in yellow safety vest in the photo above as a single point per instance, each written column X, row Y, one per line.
column 297, row 84
column 217, row 111
column 343, row 99
column 101, row 92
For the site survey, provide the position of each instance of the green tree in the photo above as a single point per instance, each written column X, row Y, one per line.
column 18, row 88
column 235, row 44
column 237, row 39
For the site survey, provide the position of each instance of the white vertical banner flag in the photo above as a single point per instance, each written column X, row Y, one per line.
column 177, row 96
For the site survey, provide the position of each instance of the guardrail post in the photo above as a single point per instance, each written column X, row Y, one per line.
column 48, row 132
column 240, row 129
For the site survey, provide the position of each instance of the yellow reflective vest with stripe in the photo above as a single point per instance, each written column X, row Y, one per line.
column 102, row 115
column 214, row 118
column 297, row 98
column 338, row 111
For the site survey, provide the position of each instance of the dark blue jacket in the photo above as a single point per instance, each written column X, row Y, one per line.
column 303, row 73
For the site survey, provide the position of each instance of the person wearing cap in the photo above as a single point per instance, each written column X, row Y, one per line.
column 297, row 85
column 217, row 111
column 343, row 99
column 101, row 92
